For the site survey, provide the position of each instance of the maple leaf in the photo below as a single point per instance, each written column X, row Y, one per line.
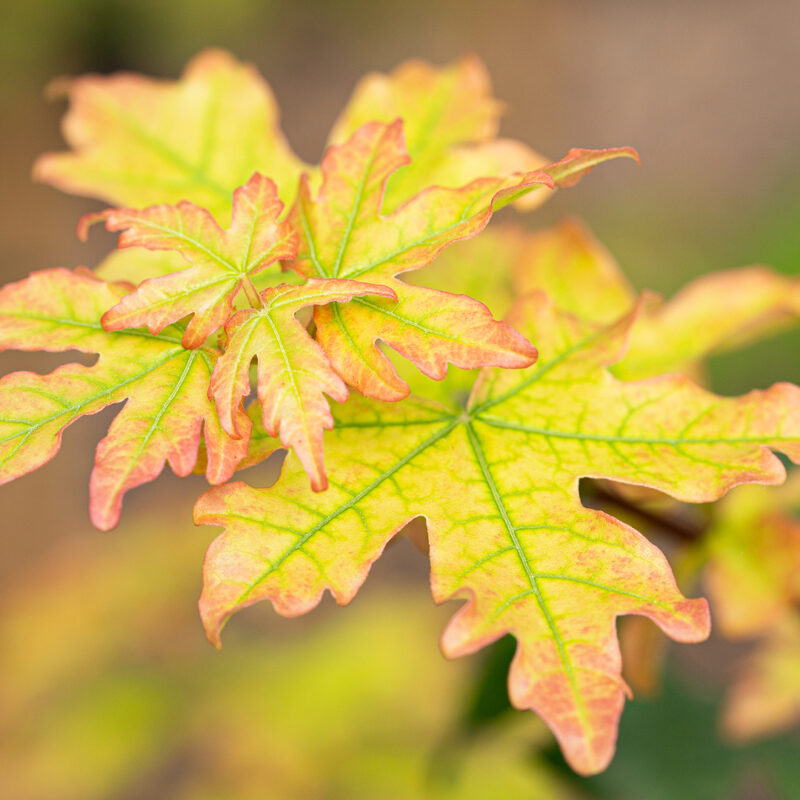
column 578, row 274
column 765, row 697
column 498, row 486
column 582, row 277
column 753, row 558
column 293, row 372
column 139, row 142
column 450, row 122
column 164, row 384
column 694, row 324
column 343, row 234
column 222, row 261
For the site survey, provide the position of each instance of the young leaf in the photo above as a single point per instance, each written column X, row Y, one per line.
column 765, row 699
column 343, row 234
column 139, row 142
column 165, row 386
column 498, row 485
column 293, row 372
column 222, row 261
column 450, row 122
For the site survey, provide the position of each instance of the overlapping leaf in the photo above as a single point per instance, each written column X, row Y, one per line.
column 343, row 234
column 293, row 372
column 165, row 386
column 581, row 276
column 223, row 262
column 139, row 142
column 713, row 314
column 497, row 484
column 765, row 699
column 450, row 124
column 753, row 552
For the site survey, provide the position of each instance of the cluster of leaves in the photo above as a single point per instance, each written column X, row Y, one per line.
column 413, row 166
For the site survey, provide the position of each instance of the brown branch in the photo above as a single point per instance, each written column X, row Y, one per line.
column 681, row 528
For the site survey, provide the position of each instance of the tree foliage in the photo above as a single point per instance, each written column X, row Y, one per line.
column 227, row 239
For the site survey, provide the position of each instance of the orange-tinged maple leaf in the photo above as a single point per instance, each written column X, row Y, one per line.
column 715, row 313
column 139, row 142
column 578, row 273
column 753, row 552
column 498, row 485
column 450, row 122
column 582, row 277
column 164, row 384
column 293, row 372
column 765, row 698
column 345, row 235
column 223, row 262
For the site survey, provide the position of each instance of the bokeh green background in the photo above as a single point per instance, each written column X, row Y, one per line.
column 109, row 690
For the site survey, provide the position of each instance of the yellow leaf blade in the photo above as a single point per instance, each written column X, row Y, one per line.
column 450, row 120
column 139, row 142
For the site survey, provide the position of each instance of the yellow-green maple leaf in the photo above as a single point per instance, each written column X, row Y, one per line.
column 164, row 384
column 450, row 124
column 498, row 486
column 139, row 142
column 345, row 234
column 714, row 313
column 222, row 262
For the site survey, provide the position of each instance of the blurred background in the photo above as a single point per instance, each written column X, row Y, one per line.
column 107, row 687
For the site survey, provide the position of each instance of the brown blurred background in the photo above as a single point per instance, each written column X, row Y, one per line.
column 708, row 92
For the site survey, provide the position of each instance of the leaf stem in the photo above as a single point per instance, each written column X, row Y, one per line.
column 253, row 297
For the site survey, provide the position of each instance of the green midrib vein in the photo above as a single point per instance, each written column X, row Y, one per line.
column 616, row 439
column 300, row 543
column 76, row 409
column 193, row 171
column 480, row 458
